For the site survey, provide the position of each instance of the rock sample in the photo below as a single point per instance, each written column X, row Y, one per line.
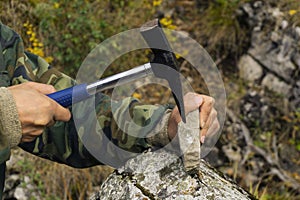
column 161, row 175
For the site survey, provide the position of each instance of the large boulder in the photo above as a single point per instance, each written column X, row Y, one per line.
column 161, row 175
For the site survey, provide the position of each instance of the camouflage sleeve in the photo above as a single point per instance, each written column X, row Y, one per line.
column 102, row 130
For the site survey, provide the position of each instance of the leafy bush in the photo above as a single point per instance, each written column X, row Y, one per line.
column 71, row 30
column 220, row 30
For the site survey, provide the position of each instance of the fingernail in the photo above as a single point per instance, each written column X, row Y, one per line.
column 202, row 124
column 202, row 139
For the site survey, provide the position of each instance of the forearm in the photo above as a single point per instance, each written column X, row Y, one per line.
column 71, row 142
column 10, row 126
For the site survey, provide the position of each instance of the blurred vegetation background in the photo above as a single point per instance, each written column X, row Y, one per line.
column 64, row 32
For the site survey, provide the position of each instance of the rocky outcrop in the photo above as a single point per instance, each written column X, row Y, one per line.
column 161, row 175
column 273, row 59
column 165, row 175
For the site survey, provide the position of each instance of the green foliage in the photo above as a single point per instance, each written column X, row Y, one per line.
column 28, row 169
column 221, row 12
column 293, row 122
column 71, row 29
column 220, row 30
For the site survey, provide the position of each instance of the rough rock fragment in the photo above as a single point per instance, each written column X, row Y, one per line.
column 249, row 69
column 188, row 135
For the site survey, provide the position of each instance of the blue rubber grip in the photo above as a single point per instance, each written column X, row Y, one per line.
column 70, row 95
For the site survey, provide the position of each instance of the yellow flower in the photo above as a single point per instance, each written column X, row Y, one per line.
column 177, row 56
column 49, row 59
column 171, row 26
column 29, row 32
column 29, row 49
column 166, row 21
column 26, row 24
column 56, row 5
column 292, row 12
column 136, row 95
column 35, row 47
column 38, row 51
column 157, row 2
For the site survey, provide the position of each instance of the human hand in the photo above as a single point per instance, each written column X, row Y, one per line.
column 209, row 123
column 36, row 111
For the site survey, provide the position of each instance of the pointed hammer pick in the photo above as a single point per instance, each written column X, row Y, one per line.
column 164, row 64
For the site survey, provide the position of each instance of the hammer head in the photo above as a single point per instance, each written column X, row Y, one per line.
column 164, row 64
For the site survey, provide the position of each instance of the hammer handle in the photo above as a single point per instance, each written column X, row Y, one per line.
column 70, row 95
column 78, row 93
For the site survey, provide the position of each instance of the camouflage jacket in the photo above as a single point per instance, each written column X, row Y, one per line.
column 61, row 142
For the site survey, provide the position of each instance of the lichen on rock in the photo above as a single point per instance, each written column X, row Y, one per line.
column 161, row 175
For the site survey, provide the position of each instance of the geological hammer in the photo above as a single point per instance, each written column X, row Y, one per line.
column 163, row 65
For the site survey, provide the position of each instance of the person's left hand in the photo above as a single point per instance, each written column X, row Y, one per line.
column 209, row 123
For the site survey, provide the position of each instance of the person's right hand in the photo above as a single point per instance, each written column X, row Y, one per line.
column 209, row 123
column 36, row 110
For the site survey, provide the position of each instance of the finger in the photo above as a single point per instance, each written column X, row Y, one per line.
column 30, row 136
column 42, row 88
column 33, row 131
column 28, row 139
column 205, row 109
column 203, row 133
column 211, row 119
column 192, row 101
column 61, row 113
column 214, row 128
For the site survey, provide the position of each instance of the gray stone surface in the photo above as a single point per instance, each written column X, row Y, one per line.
column 161, row 175
column 275, row 84
column 275, row 48
column 275, row 58
column 249, row 69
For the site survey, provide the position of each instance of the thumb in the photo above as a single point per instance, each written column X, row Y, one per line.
column 192, row 101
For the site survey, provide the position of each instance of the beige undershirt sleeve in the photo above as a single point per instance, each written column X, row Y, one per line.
column 10, row 126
